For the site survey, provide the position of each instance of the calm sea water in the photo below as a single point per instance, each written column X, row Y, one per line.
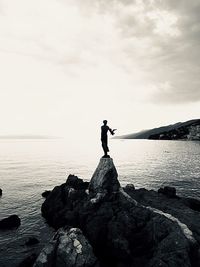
column 29, row 167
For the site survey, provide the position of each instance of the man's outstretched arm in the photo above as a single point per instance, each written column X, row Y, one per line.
column 112, row 131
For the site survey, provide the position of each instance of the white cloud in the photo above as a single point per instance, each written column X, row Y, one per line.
column 165, row 23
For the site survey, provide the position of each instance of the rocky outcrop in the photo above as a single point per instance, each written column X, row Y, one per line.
column 186, row 210
column 121, row 227
column 168, row 191
column 68, row 248
column 64, row 203
column 78, row 184
column 104, row 182
column 12, row 221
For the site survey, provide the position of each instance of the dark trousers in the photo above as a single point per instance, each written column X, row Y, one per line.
column 105, row 145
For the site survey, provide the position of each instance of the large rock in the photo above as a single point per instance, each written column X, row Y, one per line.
column 76, row 183
column 62, row 205
column 0, row 192
column 168, row 191
column 12, row 221
column 104, row 181
column 68, row 248
column 186, row 210
column 122, row 231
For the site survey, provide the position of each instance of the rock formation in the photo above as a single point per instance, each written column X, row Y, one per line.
column 186, row 210
column 104, row 182
column 168, row 191
column 116, row 225
column 67, row 248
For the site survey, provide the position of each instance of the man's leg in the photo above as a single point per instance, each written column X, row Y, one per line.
column 104, row 148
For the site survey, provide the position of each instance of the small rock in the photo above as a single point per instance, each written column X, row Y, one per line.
column 76, row 183
column 10, row 222
column 168, row 191
column 0, row 192
column 73, row 179
column 130, row 187
column 32, row 241
column 29, row 261
column 46, row 193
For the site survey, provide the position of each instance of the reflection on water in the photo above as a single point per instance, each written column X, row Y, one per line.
column 29, row 167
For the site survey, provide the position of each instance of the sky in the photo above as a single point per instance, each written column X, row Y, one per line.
column 66, row 65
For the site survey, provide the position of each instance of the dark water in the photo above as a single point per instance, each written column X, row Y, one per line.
column 29, row 167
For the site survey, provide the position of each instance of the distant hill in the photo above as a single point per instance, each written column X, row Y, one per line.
column 181, row 130
column 27, row 137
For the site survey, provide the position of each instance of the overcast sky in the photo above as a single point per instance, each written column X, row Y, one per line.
column 65, row 65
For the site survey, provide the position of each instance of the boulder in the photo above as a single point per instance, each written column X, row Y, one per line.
column 62, row 205
column 68, row 248
column 46, row 193
column 168, row 191
column 76, row 183
column 0, row 192
column 130, row 187
column 10, row 222
column 104, row 181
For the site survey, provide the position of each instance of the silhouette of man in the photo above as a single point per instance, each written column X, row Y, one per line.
column 104, row 137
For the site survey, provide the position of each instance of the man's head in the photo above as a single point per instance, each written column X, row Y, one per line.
column 105, row 122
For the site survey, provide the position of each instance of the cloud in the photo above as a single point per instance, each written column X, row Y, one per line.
column 169, row 94
column 161, row 39
column 96, row 55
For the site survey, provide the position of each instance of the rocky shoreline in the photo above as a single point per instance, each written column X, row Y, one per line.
column 101, row 224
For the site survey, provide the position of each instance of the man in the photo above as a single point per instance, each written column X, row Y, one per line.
column 104, row 137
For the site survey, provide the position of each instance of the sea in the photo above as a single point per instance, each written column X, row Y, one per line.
column 28, row 167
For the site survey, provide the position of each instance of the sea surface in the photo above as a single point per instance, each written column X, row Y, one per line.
column 29, row 167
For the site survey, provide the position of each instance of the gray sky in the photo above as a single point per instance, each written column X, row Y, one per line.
column 66, row 65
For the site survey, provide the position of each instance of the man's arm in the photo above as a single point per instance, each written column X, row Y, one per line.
column 112, row 131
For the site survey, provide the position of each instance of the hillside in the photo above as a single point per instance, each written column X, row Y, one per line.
column 189, row 130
